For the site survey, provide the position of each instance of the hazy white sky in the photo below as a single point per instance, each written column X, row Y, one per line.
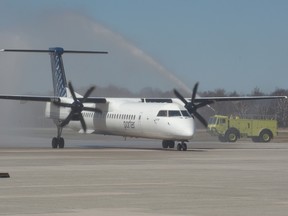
column 234, row 45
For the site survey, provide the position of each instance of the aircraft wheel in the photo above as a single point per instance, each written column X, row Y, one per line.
column 165, row 144
column 171, row 144
column 61, row 142
column 54, row 142
column 184, row 146
column 179, row 147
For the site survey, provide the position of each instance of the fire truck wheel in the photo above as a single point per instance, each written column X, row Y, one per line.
column 265, row 136
column 231, row 135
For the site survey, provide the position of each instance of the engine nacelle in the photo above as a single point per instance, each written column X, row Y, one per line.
column 55, row 112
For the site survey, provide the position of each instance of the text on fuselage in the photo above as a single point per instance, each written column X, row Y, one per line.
column 129, row 124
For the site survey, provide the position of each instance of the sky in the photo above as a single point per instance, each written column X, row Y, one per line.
column 224, row 44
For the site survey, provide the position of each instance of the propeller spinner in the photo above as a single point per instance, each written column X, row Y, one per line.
column 191, row 107
column 77, row 107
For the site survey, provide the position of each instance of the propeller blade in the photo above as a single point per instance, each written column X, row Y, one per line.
column 88, row 92
column 77, row 107
column 72, row 91
column 179, row 96
column 191, row 106
column 67, row 120
column 83, row 122
column 201, row 119
column 194, row 92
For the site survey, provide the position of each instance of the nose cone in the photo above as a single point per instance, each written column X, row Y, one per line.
column 185, row 129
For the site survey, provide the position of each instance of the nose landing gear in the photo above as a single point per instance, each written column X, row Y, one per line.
column 182, row 146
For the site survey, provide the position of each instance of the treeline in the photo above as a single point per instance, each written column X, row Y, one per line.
column 277, row 109
column 32, row 114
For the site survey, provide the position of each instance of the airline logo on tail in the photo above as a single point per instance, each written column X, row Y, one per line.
column 58, row 73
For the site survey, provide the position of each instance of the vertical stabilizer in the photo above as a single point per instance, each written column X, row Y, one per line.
column 58, row 72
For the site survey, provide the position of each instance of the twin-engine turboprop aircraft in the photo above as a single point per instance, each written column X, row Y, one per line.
column 170, row 120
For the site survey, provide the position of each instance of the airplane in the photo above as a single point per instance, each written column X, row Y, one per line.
column 168, row 119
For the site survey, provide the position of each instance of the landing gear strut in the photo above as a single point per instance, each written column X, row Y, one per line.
column 58, row 141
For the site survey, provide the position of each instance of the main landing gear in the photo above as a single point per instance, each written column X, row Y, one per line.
column 58, row 141
column 171, row 144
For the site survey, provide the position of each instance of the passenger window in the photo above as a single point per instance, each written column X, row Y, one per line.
column 174, row 113
column 162, row 113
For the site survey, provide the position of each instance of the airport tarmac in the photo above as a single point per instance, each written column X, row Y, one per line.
column 99, row 175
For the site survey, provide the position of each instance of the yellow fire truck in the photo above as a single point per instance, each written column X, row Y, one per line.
column 229, row 129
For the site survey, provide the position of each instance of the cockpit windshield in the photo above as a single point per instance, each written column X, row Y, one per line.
column 162, row 113
column 173, row 113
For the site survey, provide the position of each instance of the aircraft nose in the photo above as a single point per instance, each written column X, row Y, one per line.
column 186, row 129
column 188, row 132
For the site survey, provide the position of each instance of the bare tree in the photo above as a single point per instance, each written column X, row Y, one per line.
column 280, row 107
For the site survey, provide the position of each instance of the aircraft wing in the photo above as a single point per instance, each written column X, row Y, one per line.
column 104, row 100
column 30, row 98
column 48, row 98
column 218, row 99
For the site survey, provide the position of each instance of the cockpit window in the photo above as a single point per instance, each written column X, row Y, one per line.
column 185, row 113
column 162, row 113
column 173, row 113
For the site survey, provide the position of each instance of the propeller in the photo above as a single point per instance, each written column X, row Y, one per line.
column 77, row 107
column 191, row 107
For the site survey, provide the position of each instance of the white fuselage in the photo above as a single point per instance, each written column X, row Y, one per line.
column 133, row 118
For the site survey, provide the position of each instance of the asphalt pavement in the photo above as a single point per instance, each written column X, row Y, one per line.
column 99, row 175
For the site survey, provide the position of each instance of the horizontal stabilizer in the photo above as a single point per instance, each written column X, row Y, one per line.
column 53, row 50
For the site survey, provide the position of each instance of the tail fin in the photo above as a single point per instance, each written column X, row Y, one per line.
column 58, row 72
column 57, row 66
